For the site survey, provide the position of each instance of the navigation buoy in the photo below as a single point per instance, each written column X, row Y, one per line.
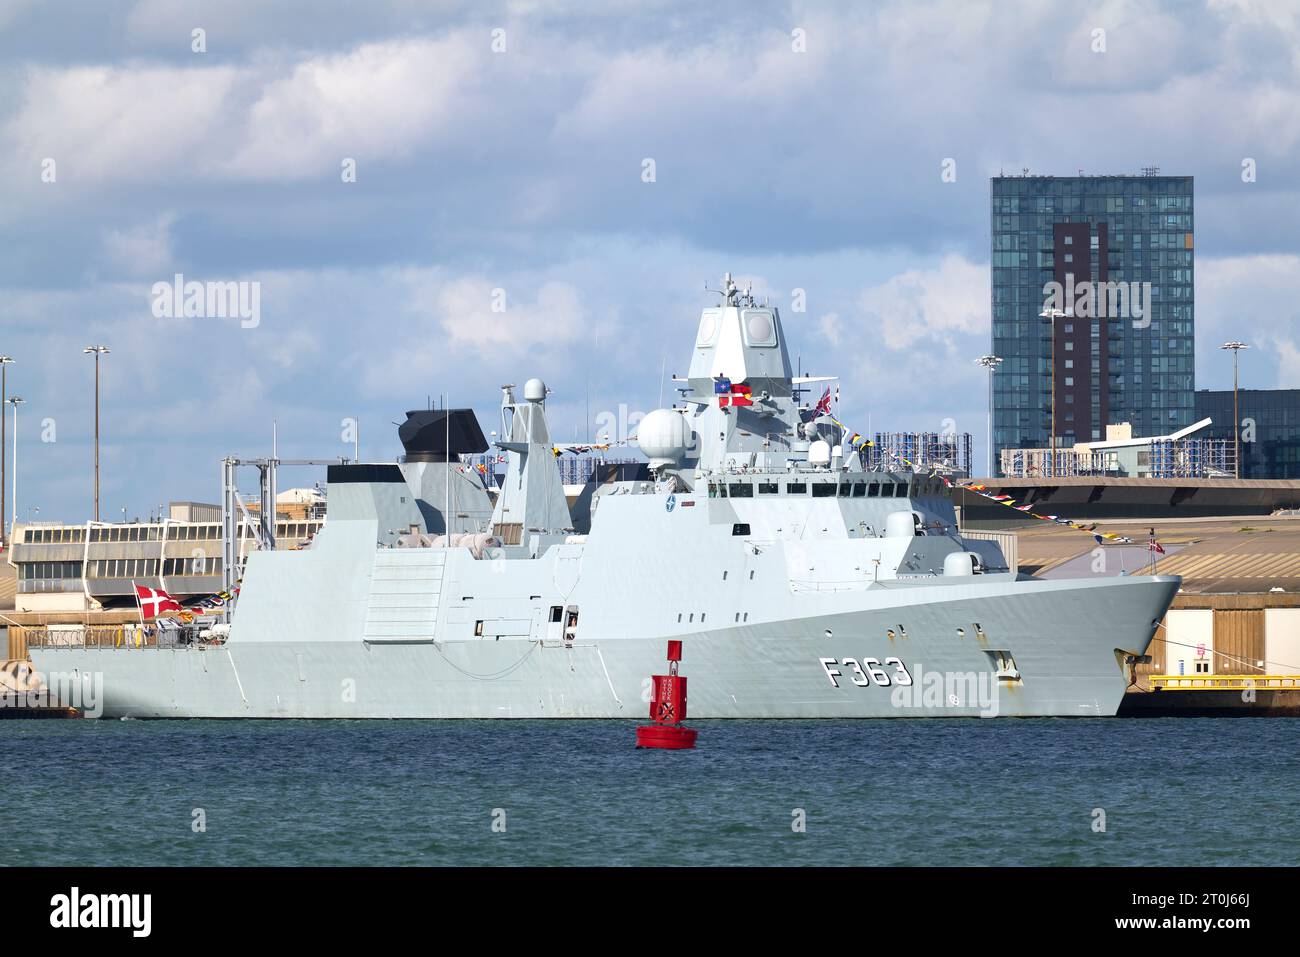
column 668, row 709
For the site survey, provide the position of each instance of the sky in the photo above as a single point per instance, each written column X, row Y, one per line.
column 437, row 198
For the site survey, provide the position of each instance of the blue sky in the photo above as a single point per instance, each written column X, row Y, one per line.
column 522, row 170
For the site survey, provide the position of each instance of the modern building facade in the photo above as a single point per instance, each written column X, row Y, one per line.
column 1270, row 447
column 1120, row 250
column 94, row 565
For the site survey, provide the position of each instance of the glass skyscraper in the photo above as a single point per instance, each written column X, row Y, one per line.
column 1100, row 239
column 1270, row 446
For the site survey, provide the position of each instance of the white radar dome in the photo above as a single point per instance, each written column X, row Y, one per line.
column 534, row 390
column 819, row 453
column 664, row 437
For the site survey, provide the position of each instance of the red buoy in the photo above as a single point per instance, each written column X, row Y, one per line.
column 668, row 709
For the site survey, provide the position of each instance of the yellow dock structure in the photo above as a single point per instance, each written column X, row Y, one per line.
column 1221, row 682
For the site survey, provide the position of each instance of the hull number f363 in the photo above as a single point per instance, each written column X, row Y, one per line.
column 869, row 671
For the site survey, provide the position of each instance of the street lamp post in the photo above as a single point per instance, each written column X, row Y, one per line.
column 990, row 363
column 97, row 351
column 15, row 401
column 1236, row 347
column 1052, row 315
column 4, row 451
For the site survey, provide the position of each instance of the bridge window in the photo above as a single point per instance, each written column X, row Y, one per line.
column 873, row 490
column 859, row 489
column 740, row 528
column 823, row 490
column 796, row 488
column 740, row 490
column 768, row 488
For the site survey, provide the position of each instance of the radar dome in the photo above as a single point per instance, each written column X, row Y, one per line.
column 535, row 390
column 819, row 453
column 664, row 437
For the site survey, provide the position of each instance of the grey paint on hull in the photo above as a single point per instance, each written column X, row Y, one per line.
column 1067, row 667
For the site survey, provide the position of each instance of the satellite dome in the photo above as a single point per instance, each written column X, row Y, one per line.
column 535, row 390
column 665, row 437
column 819, row 453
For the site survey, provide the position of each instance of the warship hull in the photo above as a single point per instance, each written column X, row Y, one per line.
column 1041, row 649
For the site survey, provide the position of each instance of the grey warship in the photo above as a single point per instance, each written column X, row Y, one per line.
column 802, row 584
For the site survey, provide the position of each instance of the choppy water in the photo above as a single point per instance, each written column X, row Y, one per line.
column 1174, row 792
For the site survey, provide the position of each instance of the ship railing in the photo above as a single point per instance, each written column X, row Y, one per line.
column 102, row 637
column 1222, row 682
column 821, row 585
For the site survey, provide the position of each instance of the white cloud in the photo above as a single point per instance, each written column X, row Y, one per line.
column 829, row 326
column 1288, row 362
column 466, row 314
column 141, row 250
column 127, row 122
column 373, row 103
column 1255, row 299
column 926, row 304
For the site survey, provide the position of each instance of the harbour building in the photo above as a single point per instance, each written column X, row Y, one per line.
column 94, row 565
column 1270, row 445
column 1110, row 260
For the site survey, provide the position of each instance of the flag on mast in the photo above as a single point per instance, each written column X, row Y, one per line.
column 154, row 601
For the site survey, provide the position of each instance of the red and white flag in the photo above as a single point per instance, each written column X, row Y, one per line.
column 1154, row 546
column 155, row 601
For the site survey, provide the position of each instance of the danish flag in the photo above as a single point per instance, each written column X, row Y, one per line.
column 154, row 601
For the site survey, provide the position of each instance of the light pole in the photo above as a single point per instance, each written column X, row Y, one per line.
column 1052, row 315
column 1236, row 347
column 4, row 451
column 990, row 363
column 15, row 401
column 97, row 351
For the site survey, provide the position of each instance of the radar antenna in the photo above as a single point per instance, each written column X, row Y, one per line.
column 731, row 293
